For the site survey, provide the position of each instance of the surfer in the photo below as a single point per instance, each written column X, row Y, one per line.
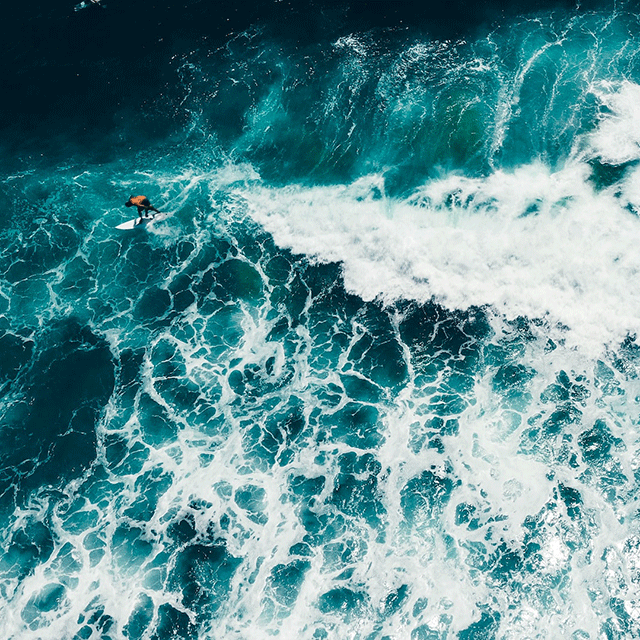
column 143, row 204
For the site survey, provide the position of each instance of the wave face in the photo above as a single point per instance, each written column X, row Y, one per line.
column 376, row 374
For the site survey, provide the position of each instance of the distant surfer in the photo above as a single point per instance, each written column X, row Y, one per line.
column 143, row 204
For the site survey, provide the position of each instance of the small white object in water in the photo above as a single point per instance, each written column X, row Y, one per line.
column 87, row 3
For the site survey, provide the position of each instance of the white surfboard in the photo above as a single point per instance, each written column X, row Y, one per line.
column 139, row 223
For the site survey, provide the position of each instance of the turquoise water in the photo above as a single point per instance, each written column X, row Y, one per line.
column 376, row 375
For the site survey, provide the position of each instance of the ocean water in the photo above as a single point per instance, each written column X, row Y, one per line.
column 375, row 377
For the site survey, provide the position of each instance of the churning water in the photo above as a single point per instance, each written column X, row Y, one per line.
column 377, row 374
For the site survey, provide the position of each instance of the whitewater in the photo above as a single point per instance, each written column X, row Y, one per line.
column 375, row 376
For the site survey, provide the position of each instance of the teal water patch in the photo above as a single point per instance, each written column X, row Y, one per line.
column 345, row 602
column 485, row 628
column 203, row 574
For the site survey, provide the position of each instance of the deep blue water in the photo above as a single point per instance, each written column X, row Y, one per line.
column 376, row 376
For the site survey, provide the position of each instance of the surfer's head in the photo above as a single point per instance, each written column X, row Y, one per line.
column 128, row 203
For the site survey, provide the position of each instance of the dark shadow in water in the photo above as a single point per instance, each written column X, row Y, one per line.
column 48, row 434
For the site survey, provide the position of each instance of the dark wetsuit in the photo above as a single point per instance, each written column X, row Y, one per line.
column 142, row 202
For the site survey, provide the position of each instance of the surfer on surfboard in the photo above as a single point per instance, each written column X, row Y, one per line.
column 143, row 204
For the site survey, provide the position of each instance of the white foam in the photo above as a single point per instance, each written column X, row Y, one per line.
column 531, row 242
column 617, row 138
